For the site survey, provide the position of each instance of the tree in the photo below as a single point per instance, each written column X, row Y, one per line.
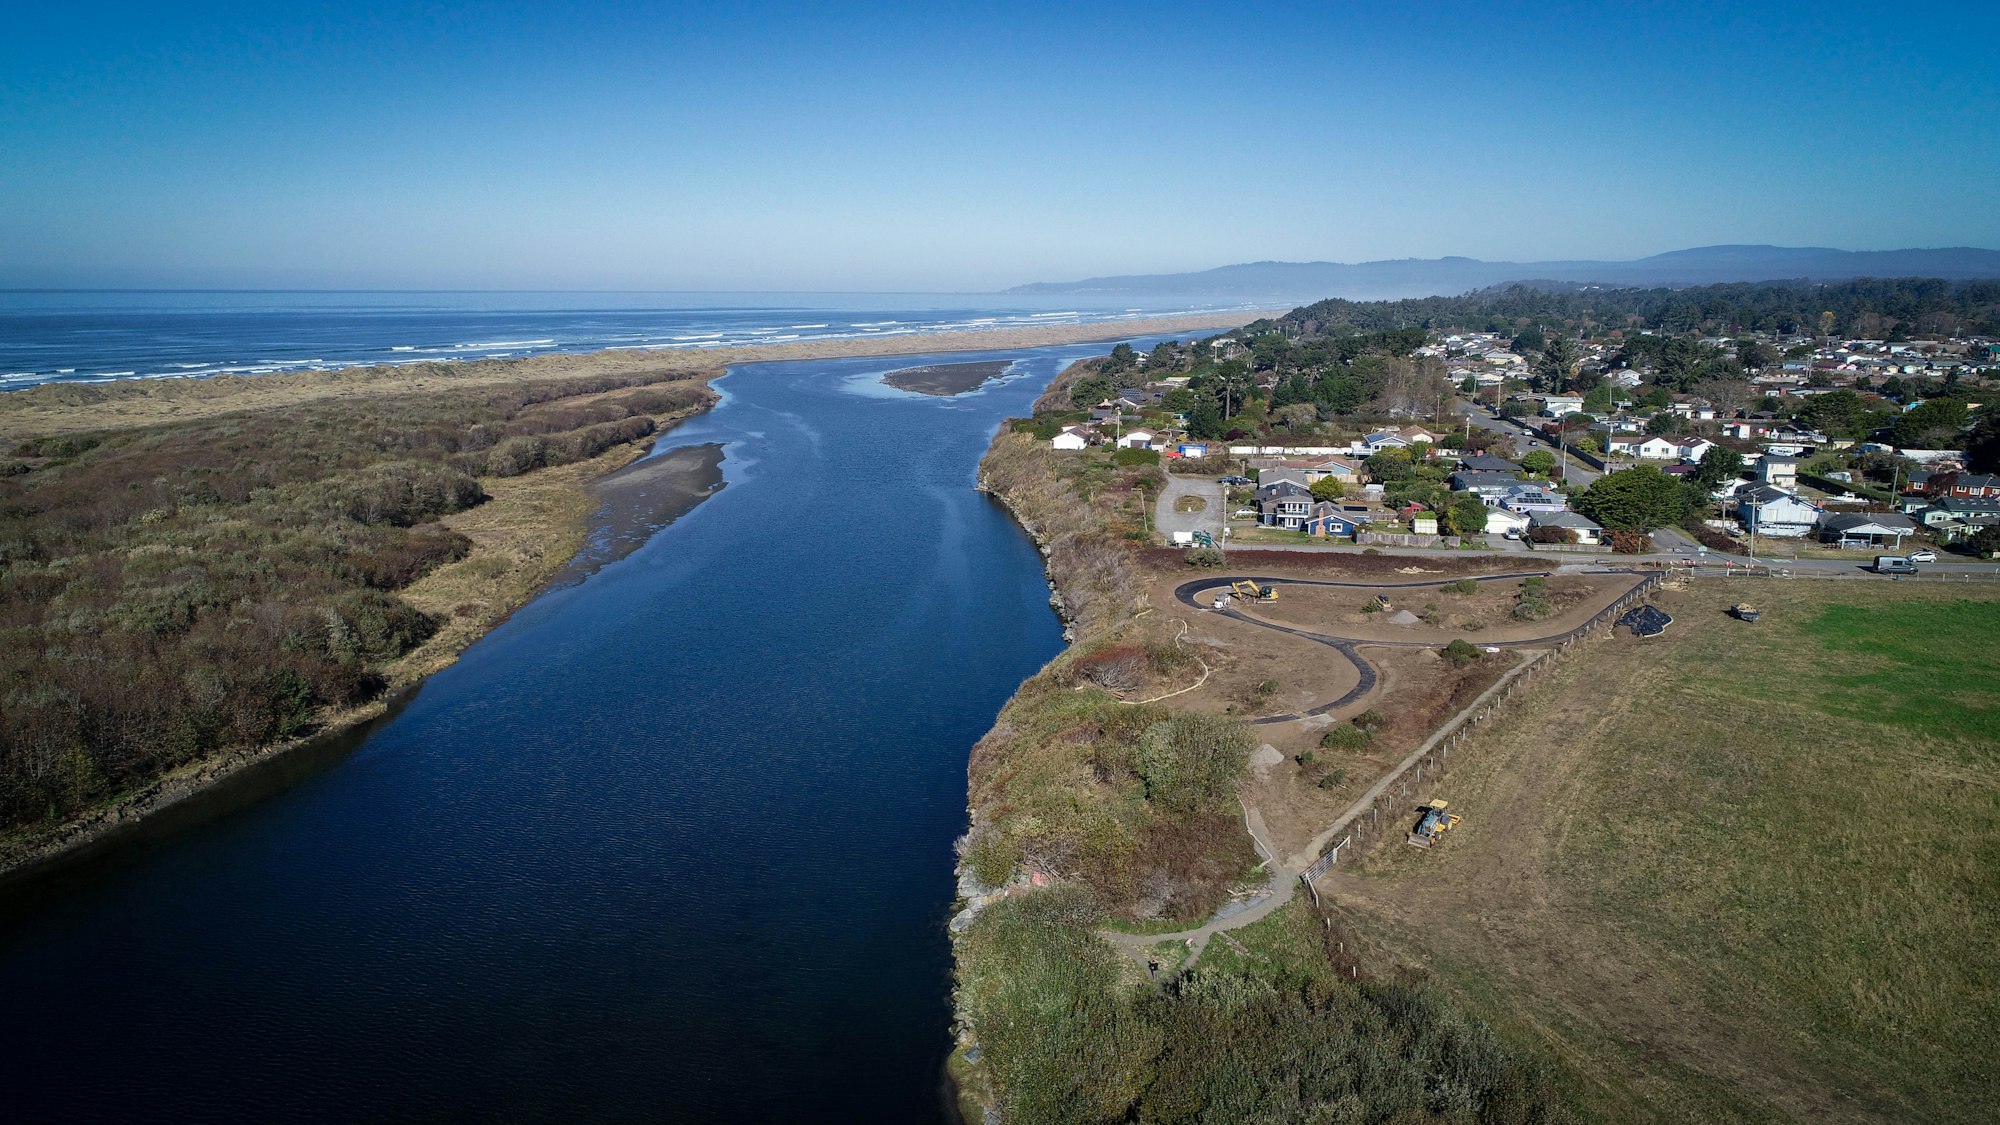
column 1466, row 515
column 1390, row 465
column 1539, row 462
column 1986, row 543
column 1207, row 422
column 1755, row 354
column 1933, row 425
column 1468, row 386
column 1728, row 396
column 1298, row 415
column 1637, row 499
column 1719, row 464
column 1530, row 340
column 1559, row 362
column 1328, row 488
column 1665, row 423
column 1088, row 392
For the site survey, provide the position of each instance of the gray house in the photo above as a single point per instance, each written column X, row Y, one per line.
column 1487, row 486
column 1866, row 529
column 1587, row 530
column 1284, row 504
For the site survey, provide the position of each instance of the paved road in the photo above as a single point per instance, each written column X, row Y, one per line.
column 1580, row 474
column 1209, row 519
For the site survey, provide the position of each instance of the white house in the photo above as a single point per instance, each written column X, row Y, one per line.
column 1072, row 437
column 1500, row 521
column 1587, row 530
column 1778, row 471
column 1766, row 510
column 1693, row 448
column 1559, row 405
column 1137, row 439
column 1649, row 449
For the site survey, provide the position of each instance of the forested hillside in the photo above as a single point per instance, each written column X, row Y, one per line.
column 1866, row 308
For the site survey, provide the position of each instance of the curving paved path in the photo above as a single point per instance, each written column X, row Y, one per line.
column 1285, row 872
column 1188, row 594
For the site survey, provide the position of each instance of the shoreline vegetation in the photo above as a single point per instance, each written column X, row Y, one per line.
column 204, row 575
column 1088, row 811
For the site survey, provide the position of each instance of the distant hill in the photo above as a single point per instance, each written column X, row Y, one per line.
column 1424, row 277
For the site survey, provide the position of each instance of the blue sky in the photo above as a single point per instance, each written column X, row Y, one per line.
column 928, row 147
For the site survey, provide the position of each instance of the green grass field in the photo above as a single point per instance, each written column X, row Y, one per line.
column 1742, row 872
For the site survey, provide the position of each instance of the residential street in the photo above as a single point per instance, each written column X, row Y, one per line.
column 1580, row 474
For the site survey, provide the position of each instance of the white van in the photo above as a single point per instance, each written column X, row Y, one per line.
column 1894, row 564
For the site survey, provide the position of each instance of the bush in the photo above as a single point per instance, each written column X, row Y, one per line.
column 1332, row 779
column 1631, row 542
column 1351, row 738
column 1204, row 557
column 1132, row 457
column 1551, row 535
column 1464, row 586
column 1266, row 689
column 1535, row 584
column 1191, row 761
column 1532, row 608
column 1370, row 720
column 1461, row 653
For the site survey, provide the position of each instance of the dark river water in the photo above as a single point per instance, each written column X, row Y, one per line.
column 671, row 844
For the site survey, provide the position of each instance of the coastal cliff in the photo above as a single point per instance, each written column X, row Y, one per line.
column 1091, row 810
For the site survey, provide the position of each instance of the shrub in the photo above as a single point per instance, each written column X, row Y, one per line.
column 1370, row 720
column 1204, row 557
column 1535, row 583
column 1461, row 653
column 1332, row 779
column 1551, row 535
column 1345, row 738
column 1464, row 586
column 1192, row 760
column 1631, row 542
column 1532, row 608
column 1117, row 668
column 1371, row 607
column 1131, row 457
column 1267, row 689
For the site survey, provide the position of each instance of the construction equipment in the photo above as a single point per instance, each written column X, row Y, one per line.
column 1383, row 603
column 1249, row 591
column 1434, row 823
column 1744, row 611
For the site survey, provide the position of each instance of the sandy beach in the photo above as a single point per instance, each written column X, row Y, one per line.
column 63, row 408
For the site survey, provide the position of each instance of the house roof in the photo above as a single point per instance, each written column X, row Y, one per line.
column 1467, row 481
column 1571, row 520
column 1487, row 463
column 1876, row 523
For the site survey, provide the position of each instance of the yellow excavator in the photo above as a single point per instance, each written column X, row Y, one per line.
column 1249, row 591
column 1434, row 823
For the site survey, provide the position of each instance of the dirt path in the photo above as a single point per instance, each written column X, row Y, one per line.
column 1285, row 871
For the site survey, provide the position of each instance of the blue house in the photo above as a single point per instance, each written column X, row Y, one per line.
column 1326, row 518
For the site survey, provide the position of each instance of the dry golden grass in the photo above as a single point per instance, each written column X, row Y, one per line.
column 1742, row 872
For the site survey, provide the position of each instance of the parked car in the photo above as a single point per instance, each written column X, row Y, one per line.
column 1232, row 480
column 1925, row 555
column 1893, row 564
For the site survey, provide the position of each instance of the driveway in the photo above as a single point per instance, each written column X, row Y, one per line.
column 1209, row 519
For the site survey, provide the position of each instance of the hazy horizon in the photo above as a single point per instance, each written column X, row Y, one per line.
column 626, row 148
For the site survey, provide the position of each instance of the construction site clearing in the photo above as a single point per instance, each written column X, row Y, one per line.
column 1286, row 644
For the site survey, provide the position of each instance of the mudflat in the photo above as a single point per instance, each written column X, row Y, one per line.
column 946, row 379
column 640, row 499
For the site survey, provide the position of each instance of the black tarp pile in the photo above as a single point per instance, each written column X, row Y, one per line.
column 1645, row 621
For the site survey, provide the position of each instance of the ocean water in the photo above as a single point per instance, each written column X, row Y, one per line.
column 674, row 843
column 71, row 336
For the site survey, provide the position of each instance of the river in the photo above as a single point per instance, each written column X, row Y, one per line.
column 671, row 843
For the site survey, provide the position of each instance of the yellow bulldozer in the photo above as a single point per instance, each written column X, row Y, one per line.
column 1249, row 591
column 1435, row 822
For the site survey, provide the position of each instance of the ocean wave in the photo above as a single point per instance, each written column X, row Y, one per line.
column 504, row 344
column 1040, row 316
column 403, row 347
column 808, row 326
